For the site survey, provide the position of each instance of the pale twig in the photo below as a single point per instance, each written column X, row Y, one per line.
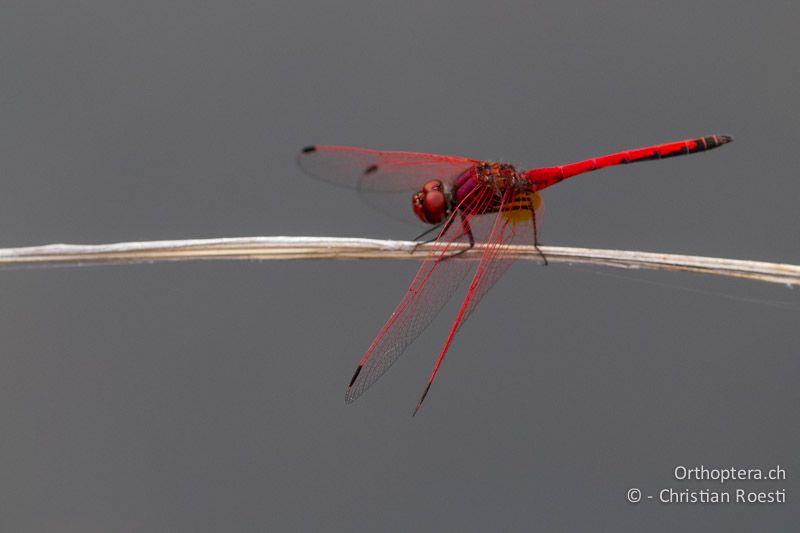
column 274, row 248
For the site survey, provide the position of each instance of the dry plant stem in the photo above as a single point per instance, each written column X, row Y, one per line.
column 282, row 248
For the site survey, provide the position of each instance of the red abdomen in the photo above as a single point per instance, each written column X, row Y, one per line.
column 541, row 178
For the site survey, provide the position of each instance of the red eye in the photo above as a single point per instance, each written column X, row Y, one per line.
column 430, row 204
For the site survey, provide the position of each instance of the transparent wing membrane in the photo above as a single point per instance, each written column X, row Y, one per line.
column 379, row 170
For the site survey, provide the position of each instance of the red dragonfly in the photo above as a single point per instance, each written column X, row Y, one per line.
column 453, row 194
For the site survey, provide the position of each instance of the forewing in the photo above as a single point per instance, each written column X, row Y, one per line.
column 379, row 170
column 437, row 279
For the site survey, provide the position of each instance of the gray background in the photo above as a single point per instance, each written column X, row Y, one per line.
column 209, row 397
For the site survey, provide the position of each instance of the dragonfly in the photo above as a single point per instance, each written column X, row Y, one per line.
column 464, row 201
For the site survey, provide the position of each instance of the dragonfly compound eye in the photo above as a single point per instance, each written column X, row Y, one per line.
column 430, row 204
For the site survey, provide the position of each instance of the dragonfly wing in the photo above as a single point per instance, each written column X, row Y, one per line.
column 437, row 279
column 511, row 228
column 396, row 205
column 379, row 170
column 512, row 225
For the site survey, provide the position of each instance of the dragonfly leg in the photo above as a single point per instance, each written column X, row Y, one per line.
column 467, row 230
column 429, row 230
column 536, row 231
column 417, row 240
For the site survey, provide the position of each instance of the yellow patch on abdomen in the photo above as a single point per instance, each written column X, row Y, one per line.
column 519, row 210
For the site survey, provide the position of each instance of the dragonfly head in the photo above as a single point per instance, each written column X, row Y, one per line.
column 432, row 203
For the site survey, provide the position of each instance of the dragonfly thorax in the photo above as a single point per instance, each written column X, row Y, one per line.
column 499, row 176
